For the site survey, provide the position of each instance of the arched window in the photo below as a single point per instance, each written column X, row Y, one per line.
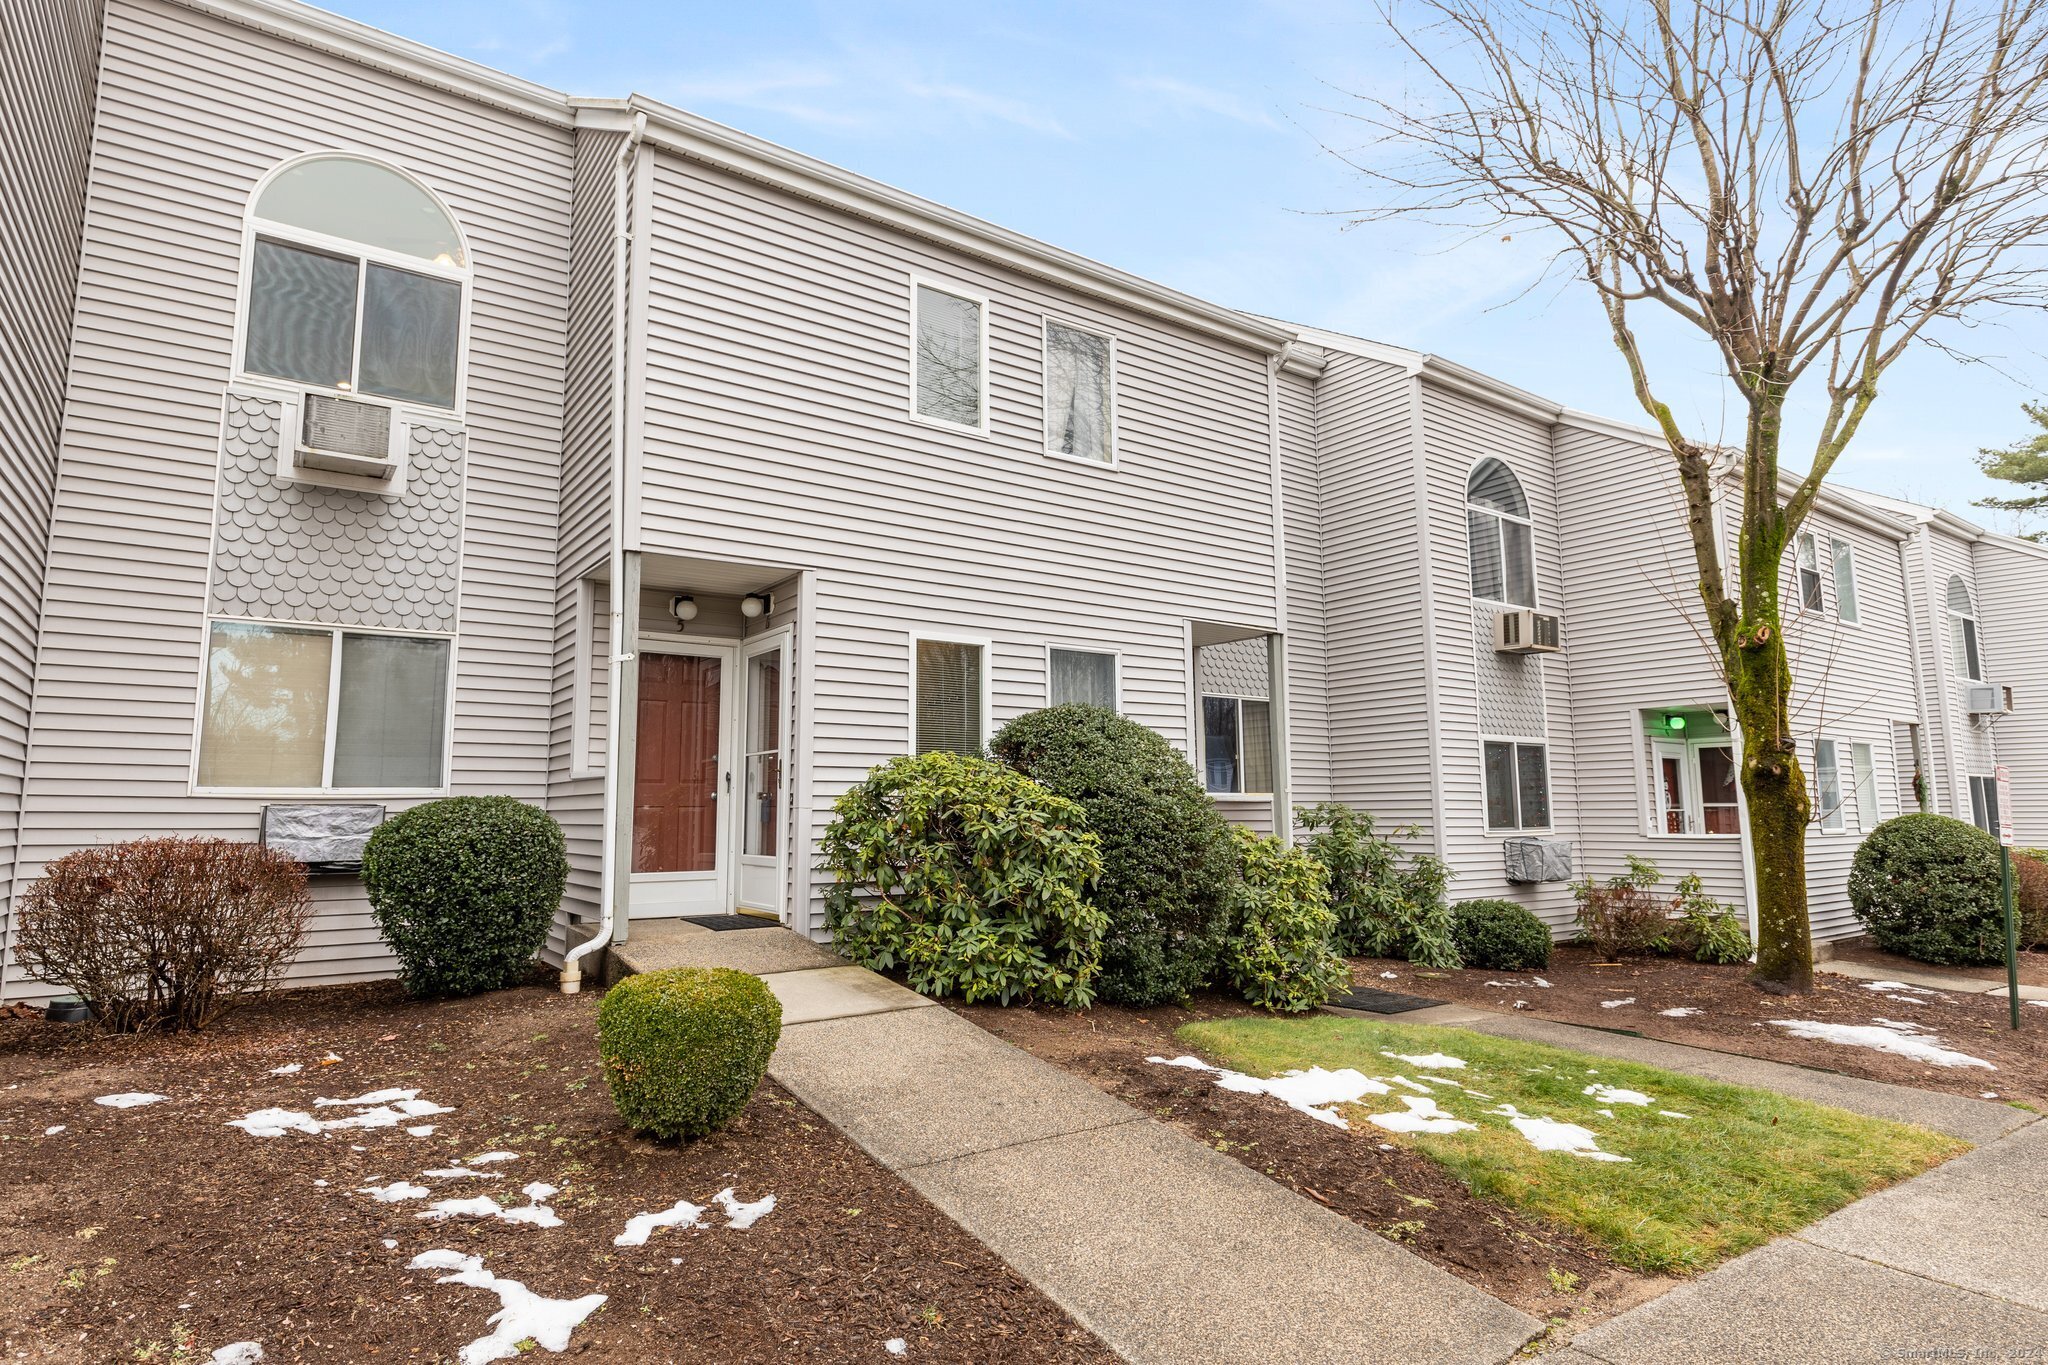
column 1964, row 653
column 1497, row 518
column 355, row 283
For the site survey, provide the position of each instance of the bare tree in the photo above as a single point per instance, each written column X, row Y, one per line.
column 1813, row 186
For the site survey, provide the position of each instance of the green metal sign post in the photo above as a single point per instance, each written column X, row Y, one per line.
column 2005, row 895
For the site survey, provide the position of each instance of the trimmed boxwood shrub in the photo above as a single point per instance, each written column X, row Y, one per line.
column 464, row 890
column 969, row 876
column 1167, row 864
column 1278, row 951
column 1500, row 936
column 1926, row 887
column 684, row 1048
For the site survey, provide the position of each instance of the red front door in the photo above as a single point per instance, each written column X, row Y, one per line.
column 675, row 784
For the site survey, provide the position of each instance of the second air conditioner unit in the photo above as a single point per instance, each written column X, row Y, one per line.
column 348, row 436
column 1987, row 699
column 1528, row 632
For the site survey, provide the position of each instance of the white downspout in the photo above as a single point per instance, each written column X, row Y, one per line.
column 619, row 637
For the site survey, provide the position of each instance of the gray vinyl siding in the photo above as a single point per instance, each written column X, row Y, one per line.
column 2014, row 577
column 1378, row 689
column 1308, row 693
column 193, row 110
column 48, row 55
column 777, row 432
column 1636, row 639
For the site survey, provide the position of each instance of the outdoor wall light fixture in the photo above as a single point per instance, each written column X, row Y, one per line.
column 684, row 608
column 1674, row 722
column 1721, row 719
column 754, row 605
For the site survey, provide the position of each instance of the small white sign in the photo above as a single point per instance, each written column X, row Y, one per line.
column 2004, row 775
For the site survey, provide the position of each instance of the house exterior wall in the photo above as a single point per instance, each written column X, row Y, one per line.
column 193, row 111
column 1308, row 654
column 2013, row 575
column 48, row 67
column 777, row 431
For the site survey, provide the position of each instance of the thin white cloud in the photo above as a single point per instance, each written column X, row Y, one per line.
column 1185, row 96
column 983, row 102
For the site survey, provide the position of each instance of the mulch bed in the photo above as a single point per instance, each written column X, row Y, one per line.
column 1393, row 1190
column 1734, row 1016
column 157, row 1233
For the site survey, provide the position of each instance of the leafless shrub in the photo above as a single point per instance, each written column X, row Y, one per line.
column 164, row 932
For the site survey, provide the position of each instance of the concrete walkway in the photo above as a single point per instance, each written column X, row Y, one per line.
column 1168, row 1251
column 1933, row 981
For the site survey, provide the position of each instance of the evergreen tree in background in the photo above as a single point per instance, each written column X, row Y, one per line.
column 2025, row 463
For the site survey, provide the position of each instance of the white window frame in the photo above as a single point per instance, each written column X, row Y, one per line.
column 1116, row 668
column 1692, row 794
column 464, row 276
column 938, row 637
column 969, row 295
column 192, row 784
column 1202, row 744
column 1838, row 821
column 1862, row 762
column 1983, row 799
column 1116, row 445
column 1960, row 638
column 1500, row 537
column 1807, row 541
column 1519, row 742
column 1842, row 561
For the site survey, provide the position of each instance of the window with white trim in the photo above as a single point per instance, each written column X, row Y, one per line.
column 950, row 708
column 1080, row 676
column 949, row 357
column 1984, row 803
column 1965, row 656
column 1080, row 393
column 1692, row 774
column 1863, row 764
column 1844, row 556
column 317, row 708
column 1237, row 745
column 1517, row 784
column 1501, row 535
column 1827, row 786
column 1806, row 572
column 355, row 284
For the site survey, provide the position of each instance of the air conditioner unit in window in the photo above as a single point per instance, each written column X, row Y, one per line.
column 1528, row 632
column 1987, row 699
column 347, row 436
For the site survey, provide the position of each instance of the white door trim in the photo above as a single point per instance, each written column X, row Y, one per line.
column 776, row 641
column 666, row 895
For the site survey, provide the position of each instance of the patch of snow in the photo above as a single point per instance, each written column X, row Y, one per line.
column 1521, row 1004
column 1421, row 1116
column 1673, row 1114
column 396, row 1191
column 54, row 1129
column 1988, row 1095
column 1437, row 1060
column 1417, row 1087
column 131, row 1100
column 641, row 1226
column 390, row 1243
column 1541, row 982
column 896, row 1346
column 456, row 1173
column 1899, row 990
column 320, row 1182
column 363, row 1101
column 521, row 1312
column 1605, row 1113
column 421, row 1130
column 1883, row 1036
column 1617, row 1004
column 288, row 1069
column 1549, row 1135
column 743, row 1216
column 237, row 1353
column 1682, row 1012
column 1310, row 1092
column 1608, row 1094
column 1390, row 976
column 488, row 1157
column 419, row 1109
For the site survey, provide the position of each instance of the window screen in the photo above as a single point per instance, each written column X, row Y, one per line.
column 1984, row 803
column 266, row 706
column 949, row 684
column 392, row 716
column 1845, row 580
column 1532, row 784
column 411, row 323
column 1808, row 558
column 1863, row 760
column 1827, row 784
column 1077, row 393
column 1255, row 741
column 947, row 359
column 1220, row 744
column 1501, row 802
column 1083, row 676
column 302, row 315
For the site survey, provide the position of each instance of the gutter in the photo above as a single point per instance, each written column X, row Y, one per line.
column 617, row 612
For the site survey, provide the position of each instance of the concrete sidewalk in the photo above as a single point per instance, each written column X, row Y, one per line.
column 1168, row 1251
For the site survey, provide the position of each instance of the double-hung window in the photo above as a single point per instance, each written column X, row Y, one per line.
column 1517, row 785
column 313, row 708
column 1984, row 803
column 1807, row 572
column 1237, row 745
column 950, row 702
column 1844, row 556
column 1080, row 399
column 1827, row 787
column 1863, row 763
column 1502, row 548
column 949, row 357
column 356, row 278
column 1084, row 676
column 1964, row 651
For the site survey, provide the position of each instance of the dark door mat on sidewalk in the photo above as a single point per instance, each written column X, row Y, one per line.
column 720, row 923
column 1368, row 1000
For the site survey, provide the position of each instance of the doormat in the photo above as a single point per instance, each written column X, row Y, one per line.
column 720, row 923
column 1367, row 1000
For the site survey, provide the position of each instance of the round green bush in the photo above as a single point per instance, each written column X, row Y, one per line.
column 969, row 876
column 1167, row 865
column 684, row 1048
column 464, row 890
column 1500, row 936
column 1926, row 887
column 1278, row 951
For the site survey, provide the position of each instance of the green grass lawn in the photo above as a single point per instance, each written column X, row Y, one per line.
column 1743, row 1167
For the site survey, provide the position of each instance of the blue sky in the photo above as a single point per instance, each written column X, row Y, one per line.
column 1187, row 142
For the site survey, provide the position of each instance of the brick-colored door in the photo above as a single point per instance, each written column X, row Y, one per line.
column 675, row 783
